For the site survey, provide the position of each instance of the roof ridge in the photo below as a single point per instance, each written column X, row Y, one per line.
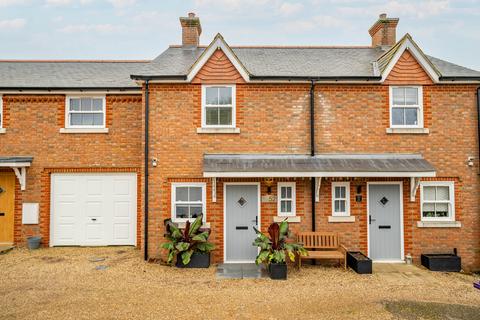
column 288, row 47
column 75, row 61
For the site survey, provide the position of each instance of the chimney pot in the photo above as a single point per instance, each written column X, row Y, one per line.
column 384, row 31
column 191, row 30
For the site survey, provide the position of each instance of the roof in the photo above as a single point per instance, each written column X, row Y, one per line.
column 177, row 62
column 69, row 74
column 321, row 165
column 308, row 62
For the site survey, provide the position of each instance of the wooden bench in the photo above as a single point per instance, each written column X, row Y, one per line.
column 322, row 245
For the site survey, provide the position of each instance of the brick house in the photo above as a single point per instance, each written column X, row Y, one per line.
column 378, row 143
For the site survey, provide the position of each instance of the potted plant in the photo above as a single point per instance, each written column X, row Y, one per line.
column 274, row 249
column 359, row 262
column 189, row 246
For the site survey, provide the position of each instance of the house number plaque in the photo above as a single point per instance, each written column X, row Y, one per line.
column 269, row 198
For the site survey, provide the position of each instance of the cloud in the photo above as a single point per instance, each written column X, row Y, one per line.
column 13, row 24
column 122, row 3
column 288, row 8
column 6, row 3
column 418, row 9
column 99, row 28
column 319, row 21
column 58, row 2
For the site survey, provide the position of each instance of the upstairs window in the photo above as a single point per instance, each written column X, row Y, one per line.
column 438, row 201
column 188, row 201
column 286, row 199
column 340, row 199
column 85, row 112
column 218, row 106
column 406, row 107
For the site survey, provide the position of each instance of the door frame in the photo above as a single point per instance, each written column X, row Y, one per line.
column 14, row 211
column 225, row 215
column 402, row 236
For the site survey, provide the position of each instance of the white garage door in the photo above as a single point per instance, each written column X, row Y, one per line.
column 93, row 209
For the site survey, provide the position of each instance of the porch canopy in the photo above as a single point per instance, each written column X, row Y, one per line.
column 320, row 165
column 19, row 166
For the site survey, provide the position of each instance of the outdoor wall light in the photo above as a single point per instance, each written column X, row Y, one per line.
column 470, row 161
column 269, row 183
column 154, row 162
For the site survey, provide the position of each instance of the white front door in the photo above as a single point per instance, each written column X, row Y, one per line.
column 94, row 209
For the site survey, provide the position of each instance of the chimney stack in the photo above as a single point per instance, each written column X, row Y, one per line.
column 191, row 30
column 384, row 31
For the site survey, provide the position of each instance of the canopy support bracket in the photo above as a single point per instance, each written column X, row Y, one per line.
column 21, row 174
column 414, row 184
column 214, row 189
column 318, row 183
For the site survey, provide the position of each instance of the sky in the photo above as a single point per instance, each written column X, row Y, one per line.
column 142, row 29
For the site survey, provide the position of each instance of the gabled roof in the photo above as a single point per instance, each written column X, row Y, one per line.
column 260, row 63
column 387, row 61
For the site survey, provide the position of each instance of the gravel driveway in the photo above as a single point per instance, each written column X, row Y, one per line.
column 70, row 283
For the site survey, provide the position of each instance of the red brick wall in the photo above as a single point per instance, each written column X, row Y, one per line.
column 33, row 128
column 349, row 119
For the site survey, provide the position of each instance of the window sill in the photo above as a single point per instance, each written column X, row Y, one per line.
column 3, row 130
column 84, row 130
column 181, row 225
column 439, row 224
column 346, row 219
column 218, row 130
column 408, row 131
column 289, row 219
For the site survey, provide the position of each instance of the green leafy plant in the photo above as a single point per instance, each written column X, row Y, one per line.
column 275, row 247
column 187, row 241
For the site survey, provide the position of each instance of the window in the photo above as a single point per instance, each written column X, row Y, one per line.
column 85, row 112
column 188, row 201
column 218, row 106
column 406, row 107
column 286, row 199
column 340, row 199
column 438, row 201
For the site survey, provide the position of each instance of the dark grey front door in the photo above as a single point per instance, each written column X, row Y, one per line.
column 384, row 222
column 241, row 215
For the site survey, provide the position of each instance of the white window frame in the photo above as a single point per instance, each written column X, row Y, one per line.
column 174, row 187
column 204, row 104
column 292, row 185
column 419, row 106
column 347, row 198
column 451, row 191
column 67, row 111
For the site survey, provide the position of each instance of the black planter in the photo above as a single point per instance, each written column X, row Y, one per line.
column 198, row 260
column 442, row 262
column 359, row 262
column 278, row 271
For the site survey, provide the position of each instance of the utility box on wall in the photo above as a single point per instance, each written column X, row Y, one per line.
column 30, row 213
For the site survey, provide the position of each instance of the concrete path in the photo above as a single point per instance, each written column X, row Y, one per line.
column 240, row 271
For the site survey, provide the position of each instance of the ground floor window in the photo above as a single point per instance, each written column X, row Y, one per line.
column 286, row 199
column 188, row 201
column 438, row 201
column 340, row 199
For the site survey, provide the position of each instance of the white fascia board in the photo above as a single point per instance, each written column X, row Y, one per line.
column 15, row 164
column 218, row 43
column 317, row 174
column 417, row 54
